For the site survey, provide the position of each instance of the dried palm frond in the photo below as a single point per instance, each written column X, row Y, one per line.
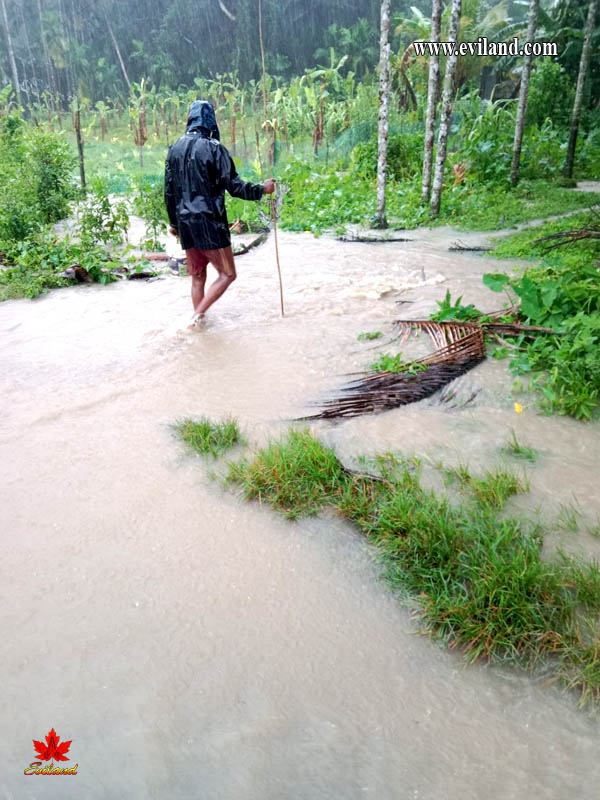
column 462, row 348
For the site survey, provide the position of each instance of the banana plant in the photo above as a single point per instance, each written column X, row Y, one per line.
column 137, row 115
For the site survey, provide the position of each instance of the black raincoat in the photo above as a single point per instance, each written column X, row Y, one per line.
column 198, row 169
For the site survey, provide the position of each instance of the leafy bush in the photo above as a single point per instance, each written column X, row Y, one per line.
column 36, row 264
column 35, row 182
column 99, row 218
column 483, row 139
column 563, row 294
column 550, row 94
column 543, row 151
column 149, row 203
column 404, row 159
column 52, row 162
column 587, row 163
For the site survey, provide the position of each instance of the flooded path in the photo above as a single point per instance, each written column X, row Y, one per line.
column 193, row 646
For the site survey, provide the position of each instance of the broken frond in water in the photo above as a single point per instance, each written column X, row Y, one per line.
column 460, row 347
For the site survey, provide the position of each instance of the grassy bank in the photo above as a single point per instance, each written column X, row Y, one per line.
column 478, row 575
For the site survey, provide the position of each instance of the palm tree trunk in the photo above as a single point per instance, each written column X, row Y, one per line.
column 523, row 94
column 583, row 67
column 432, row 90
column 77, row 126
column 118, row 52
column 47, row 63
column 11, row 53
column 440, row 161
column 384, row 106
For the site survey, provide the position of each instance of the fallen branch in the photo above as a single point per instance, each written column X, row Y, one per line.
column 260, row 239
column 464, row 248
column 350, row 237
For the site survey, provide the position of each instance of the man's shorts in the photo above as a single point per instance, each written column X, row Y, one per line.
column 222, row 261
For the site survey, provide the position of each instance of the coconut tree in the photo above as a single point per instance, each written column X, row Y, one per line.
column 432, row 94
column 440, row 162
column 583, row 68
column 523, row 94
column 11, row 52
column 384, row 105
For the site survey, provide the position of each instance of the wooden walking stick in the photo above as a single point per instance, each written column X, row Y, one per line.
column 270, row 154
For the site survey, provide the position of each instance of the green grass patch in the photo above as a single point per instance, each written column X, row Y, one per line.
column 494, row 489
column 480, row 579
column 514, row 448
column 296, row 475
column 210, row 438
column 524, row 243
column 369, row 336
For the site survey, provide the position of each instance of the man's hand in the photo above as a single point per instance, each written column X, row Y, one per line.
column 269, row 186
column 173, row 232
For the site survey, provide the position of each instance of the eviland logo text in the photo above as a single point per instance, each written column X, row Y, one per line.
column 51, row 751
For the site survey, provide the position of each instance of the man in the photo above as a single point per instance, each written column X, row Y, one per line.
column 198, row 169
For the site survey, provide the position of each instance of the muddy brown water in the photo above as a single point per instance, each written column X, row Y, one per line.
column 194, row 646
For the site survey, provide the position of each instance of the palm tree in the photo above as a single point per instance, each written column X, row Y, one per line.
column 11, row 53
column 583, row 67
column 384, row 104
column 432, row 92
column 523, row 93
column 440, row 162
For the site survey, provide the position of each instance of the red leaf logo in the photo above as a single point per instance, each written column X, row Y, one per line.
column 52, row 748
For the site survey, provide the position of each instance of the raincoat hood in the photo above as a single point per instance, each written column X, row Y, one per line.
column 202, row 117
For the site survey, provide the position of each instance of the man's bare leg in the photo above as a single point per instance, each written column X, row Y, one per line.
column 198, row 283
column 225, row 266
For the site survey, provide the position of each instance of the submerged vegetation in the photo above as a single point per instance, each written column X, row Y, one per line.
column 478, row 575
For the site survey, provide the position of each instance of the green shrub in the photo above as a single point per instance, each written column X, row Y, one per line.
column 550, row 94
column 404, row 158
column 35, row 181
column 99, row 218
column 52, row 162
column 149, row 203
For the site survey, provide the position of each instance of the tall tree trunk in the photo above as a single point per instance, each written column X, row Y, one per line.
column 47, row 62
column 432, row 92
column 118, row 52
column 523, row 95
column 77, row 126
column 440, row 161
column 11, row 53
column 583, row 67
column 384, row 107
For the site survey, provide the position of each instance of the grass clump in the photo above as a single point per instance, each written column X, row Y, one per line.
column 210, row 438
column 568, row 517
column 514, row 448
column 480, row 579
column 296, row 475
column 368, row 336
column 494, row 489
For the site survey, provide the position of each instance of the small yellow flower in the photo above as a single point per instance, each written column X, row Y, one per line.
column 518, row 408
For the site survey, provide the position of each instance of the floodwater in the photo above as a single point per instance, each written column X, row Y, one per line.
column 194, row 646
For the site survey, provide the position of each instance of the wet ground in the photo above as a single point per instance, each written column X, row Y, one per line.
column 193, row 646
